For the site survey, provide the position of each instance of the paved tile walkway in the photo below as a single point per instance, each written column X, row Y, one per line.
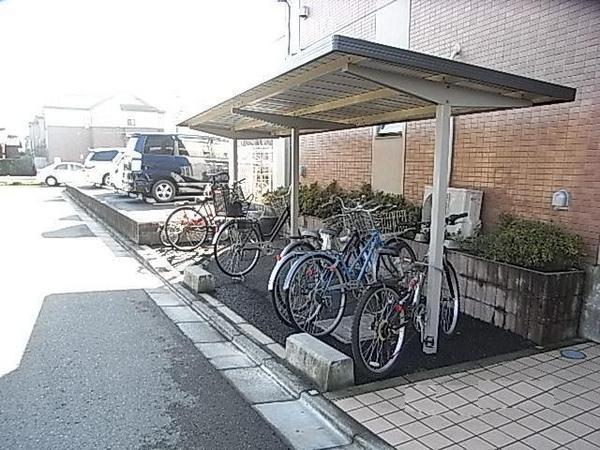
column 543, row 401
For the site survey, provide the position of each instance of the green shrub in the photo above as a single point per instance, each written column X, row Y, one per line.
column 22, row 166
column 315, row 200
column 529, row 243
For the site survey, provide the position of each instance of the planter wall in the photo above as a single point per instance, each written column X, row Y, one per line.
column 543, row 307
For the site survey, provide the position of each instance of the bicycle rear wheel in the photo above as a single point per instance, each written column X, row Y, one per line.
column 186, row 228
column 236, row 248
column 378, row 330
column 316, row 295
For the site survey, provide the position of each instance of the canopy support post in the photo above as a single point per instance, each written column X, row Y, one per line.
column 234, row 160
column 294, row 180
column 438, row 227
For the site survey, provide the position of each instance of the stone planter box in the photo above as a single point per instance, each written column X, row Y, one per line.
column 310, row 222
column 541, row 306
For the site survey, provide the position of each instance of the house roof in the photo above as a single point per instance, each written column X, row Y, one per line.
column 348, row 83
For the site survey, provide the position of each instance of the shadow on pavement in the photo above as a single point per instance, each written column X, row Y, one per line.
column 110, row 370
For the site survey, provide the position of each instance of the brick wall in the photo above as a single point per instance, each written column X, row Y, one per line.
column 518, row 158
column 344, row 156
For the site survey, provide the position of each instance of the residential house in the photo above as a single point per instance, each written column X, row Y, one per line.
column 68, row 129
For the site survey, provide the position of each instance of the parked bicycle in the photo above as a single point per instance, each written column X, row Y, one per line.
column 188, row 227
column 240, row 241
column 388, row 312
column 318, row 283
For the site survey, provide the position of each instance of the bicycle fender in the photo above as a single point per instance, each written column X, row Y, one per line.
column 292, row 246
column 278, row 267
column 289, row 276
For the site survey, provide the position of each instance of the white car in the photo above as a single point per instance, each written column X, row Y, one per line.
column 100, row 164
column 60, row 173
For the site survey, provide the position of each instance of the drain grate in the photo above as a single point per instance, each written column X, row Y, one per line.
column 572, row 354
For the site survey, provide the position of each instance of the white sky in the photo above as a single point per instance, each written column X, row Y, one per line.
column 176, row 54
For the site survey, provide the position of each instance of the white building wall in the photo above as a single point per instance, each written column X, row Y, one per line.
column 66, row 117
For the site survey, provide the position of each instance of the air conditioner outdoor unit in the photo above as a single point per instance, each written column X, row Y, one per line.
column 458, row 201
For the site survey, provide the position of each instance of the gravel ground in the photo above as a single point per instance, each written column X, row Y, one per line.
column 473, row 339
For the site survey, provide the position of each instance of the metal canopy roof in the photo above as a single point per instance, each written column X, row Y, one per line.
column 349, row 83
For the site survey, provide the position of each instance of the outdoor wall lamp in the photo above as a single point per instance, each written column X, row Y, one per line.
column 302, row 170
column 561, row 200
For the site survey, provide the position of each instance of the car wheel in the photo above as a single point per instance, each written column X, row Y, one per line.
column 106, row 179
column 163, row 191
column 51, row 181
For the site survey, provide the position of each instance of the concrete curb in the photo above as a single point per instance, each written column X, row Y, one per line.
column 221, row 319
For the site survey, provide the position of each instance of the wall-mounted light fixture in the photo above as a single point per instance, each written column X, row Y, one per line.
column 302, row 170
column 304, row 12
column 561, row 200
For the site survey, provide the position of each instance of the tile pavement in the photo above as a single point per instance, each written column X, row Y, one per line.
column 542, row 401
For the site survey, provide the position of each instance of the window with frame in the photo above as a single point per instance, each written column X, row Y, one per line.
column 104, row 156
column 159, row 145
column 131, row 122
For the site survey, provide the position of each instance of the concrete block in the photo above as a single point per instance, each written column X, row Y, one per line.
column 590, row 315
column 327, row 367
column 198, row 279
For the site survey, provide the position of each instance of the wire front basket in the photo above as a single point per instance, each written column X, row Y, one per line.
column 392, row 221
column 227, row 203
column 361, row 221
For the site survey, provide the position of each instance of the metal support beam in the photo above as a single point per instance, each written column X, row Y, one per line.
column 233, row 170
column 436, row 92
column 438, row 226
column 301, row 123
column 294, row 180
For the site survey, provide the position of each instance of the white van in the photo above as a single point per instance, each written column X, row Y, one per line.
column 99, row 165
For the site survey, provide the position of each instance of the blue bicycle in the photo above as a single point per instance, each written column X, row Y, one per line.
column 318, row 283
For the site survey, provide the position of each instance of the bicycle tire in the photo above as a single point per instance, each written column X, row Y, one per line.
column 454, row 303
column 316, row 324
column 277, row 279
column 232, row 229
column 363, row 325
column 406, row 257
column 178, row 232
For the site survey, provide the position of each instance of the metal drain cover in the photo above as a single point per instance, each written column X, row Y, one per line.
column 572, row 354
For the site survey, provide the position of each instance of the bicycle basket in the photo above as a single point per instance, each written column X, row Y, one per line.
column 224, row 204
column 360, row 221
column 392, row 221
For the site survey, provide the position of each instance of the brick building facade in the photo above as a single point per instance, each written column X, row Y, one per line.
column 517, row 158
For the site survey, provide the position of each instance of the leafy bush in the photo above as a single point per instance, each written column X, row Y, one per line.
column 529, row 243
column 315, row 200
column 22, row 166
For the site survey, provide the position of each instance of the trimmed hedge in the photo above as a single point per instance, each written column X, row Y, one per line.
column 22, row 166
column 314, row 198
column 529, row 243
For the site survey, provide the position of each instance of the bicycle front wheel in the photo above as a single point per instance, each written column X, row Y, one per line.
column 397, row 263
column 316, row 295
column 378, row 330
column 280, row 271
column 236, row 249
column 450, row 300
column 186, row 228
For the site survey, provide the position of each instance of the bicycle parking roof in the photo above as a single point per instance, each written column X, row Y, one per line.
column 349, row 83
